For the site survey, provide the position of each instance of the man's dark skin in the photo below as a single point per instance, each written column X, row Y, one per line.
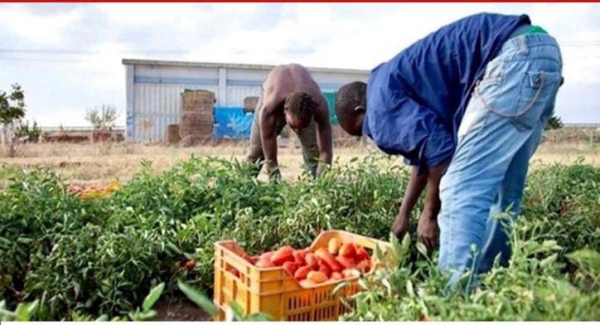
column 282, row 81
column 428, row 230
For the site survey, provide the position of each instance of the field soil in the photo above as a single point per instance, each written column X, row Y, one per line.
column 99, row 164
column 180, row 311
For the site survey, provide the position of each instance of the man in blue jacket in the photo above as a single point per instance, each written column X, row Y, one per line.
column 466, row 107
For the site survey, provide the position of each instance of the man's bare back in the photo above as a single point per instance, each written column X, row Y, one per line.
column 290, row 78
column 291, row 96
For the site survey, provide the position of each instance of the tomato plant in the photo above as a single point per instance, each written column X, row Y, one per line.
column 84, row 258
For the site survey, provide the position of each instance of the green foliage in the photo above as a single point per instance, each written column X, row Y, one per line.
column 102, row 118
column 12, row 106
column 554, row 123
column 26, row 311
column 12, row 110
column 202, row 301
column 532, row 288
column 82, row 259
column 32, row 133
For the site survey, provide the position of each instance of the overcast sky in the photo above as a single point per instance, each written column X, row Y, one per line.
column 68, row 57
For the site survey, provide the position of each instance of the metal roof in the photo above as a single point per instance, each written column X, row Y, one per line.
column 230, row 65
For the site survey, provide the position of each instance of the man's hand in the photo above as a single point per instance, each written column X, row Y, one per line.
column 273, row 172
column 324, row 136
column 428, row 231
column 401, row 225
column 322, row 167
column 415, row 186
column 269, row 137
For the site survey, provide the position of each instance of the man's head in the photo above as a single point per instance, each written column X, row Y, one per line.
column 299, row 108
column 350, row 107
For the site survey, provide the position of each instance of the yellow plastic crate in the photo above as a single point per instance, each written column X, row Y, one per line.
column 274, row 291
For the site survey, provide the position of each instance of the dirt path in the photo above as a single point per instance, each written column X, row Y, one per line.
column 180, row 311
column 83, row 164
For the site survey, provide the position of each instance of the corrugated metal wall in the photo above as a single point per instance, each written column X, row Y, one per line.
column 154, row 90
column 236, row 95
column 157, row 106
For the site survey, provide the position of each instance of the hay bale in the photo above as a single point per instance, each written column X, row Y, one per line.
column 196, row 125
column 197, row 118
column 191, row 140
column 199, row 101
column 250, row 104
column 173, row 134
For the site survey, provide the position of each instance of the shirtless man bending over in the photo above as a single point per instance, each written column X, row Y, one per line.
column 291, row 96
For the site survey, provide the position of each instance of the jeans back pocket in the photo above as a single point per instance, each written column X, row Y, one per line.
column 536, row 91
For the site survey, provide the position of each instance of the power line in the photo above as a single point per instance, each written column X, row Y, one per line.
column 44, row 60
column 138, row 52
column 581, row 43
column 87, row 52
column 186, row 51
column 78, row 52
column 67, row 61
column 75, row 52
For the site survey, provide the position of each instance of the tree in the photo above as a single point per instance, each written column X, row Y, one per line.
column 102, row 119
column 12, row 110
column 554, row 123
column 32, row 133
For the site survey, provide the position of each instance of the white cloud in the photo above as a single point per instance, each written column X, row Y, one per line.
column 107, row 66
column 38, row 28
column 235, row 9
column 68, row 116
column 328, row 35
column 175, row 15
column 581, row 65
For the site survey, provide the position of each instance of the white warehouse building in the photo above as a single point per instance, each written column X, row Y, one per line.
column 153, row 89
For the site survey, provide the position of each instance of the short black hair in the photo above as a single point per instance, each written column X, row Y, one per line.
column 348, row 98
column 302, row 105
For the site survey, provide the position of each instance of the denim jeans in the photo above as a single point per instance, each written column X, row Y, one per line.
column 499, row 133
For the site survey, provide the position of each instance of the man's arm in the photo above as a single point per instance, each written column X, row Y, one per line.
column 414, row 188
column 324, row 138
column 432, row 202
column 420, row 135
column 269, row 139
column 428, row 230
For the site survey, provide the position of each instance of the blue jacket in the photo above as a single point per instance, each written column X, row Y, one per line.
column 415, row 101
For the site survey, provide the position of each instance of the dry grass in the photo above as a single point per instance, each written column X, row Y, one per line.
column 93, row 164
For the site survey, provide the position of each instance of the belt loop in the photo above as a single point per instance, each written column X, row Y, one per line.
column 523, row 44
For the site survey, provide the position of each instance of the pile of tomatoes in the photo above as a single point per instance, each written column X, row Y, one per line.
column 94, row 192
column 315, row 266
